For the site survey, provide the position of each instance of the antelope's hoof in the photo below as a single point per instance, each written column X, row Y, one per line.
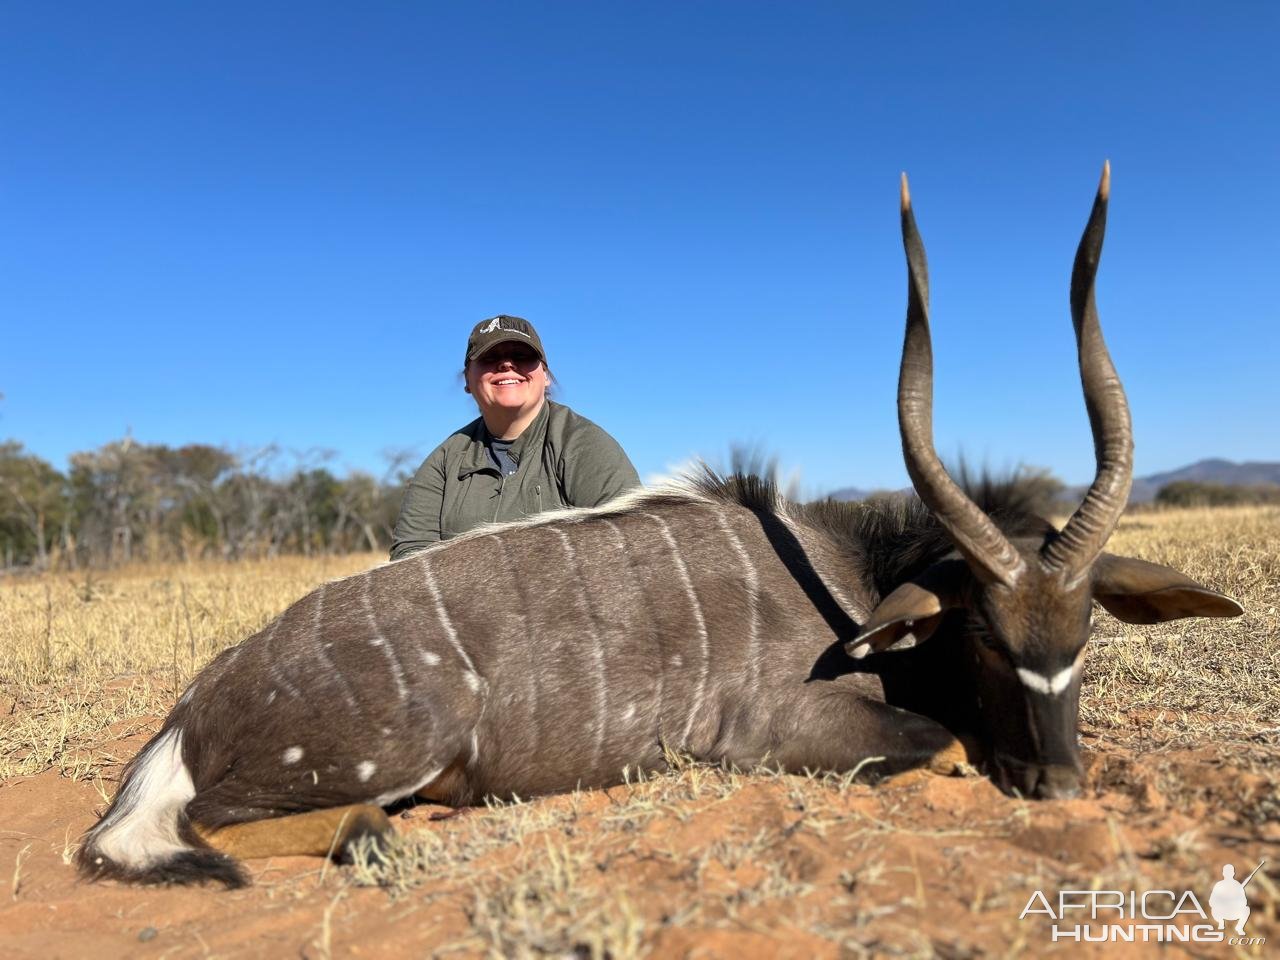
column 959, row 758
column 368, row 832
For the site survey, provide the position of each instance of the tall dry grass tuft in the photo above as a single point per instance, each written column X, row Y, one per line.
column 84, row 652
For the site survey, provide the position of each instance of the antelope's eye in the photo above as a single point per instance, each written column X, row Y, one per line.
column 986, row 639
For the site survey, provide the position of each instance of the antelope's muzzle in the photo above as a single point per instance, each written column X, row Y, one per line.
column 1044, row 760
column 1042, row 781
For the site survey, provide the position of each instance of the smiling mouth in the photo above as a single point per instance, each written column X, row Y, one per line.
column 508, row 383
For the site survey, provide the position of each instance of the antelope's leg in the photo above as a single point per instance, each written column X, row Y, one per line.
column 963, row 750
column 826, row 727
column 317, row 833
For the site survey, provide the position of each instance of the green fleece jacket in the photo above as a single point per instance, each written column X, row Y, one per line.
column 564, row 460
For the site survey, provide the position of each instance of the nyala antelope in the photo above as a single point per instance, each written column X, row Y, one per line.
column 712, row 618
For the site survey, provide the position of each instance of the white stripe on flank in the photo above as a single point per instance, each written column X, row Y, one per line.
column 602, row 685
column 656, row 701
column 532, row 671
column 329, row 669
column 753, row 594
column 1049, row 686
column 443, row 615
column 380, row 641
column 276, row 661
column 700, row 688
column 191, row 689
column 855, row 611
column 142, row 827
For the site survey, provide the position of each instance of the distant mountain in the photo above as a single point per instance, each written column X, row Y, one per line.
column 1252, row 473
column 856, row 493
column 848, row 493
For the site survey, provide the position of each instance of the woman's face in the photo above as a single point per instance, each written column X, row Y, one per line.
column 510, row 378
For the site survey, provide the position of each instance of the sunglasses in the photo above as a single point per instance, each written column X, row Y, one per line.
column 519, row 355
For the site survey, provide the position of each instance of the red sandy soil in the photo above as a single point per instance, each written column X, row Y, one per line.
column 925, row 865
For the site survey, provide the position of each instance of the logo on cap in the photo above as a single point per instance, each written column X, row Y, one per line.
column 495, row 325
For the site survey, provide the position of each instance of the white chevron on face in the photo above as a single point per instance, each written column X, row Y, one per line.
column 1049, row 686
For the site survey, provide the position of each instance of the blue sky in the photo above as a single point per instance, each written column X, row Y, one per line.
column 254, row 223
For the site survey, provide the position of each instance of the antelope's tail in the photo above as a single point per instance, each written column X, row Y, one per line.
column 145, row 836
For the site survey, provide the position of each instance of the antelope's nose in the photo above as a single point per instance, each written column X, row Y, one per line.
column 1057, row 782
column 1039, row 781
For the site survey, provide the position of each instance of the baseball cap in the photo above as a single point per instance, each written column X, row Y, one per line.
column 502, row 329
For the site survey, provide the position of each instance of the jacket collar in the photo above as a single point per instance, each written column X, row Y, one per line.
column 476, row 457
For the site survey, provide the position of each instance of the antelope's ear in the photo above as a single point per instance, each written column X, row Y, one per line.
column 914, row 608
column 1139, row 592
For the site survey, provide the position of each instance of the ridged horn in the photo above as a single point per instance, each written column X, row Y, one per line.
column 1085, row 534
column 991, row 557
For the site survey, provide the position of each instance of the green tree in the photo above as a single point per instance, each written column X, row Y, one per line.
column 33, row 505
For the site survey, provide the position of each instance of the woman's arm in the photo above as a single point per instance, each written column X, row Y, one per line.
column 418, row 525
column 595, row 468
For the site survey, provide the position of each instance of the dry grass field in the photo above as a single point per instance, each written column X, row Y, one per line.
column 1181, row 727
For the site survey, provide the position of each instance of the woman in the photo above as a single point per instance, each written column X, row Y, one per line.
column 522, row 455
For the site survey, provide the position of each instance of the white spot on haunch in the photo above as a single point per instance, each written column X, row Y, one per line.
column 676, row 661
column 365, row 769
column 271, row 698
column 430, row 659
column 292, row 755
column 629, row 712
column 473, row 680
column 386, row 731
